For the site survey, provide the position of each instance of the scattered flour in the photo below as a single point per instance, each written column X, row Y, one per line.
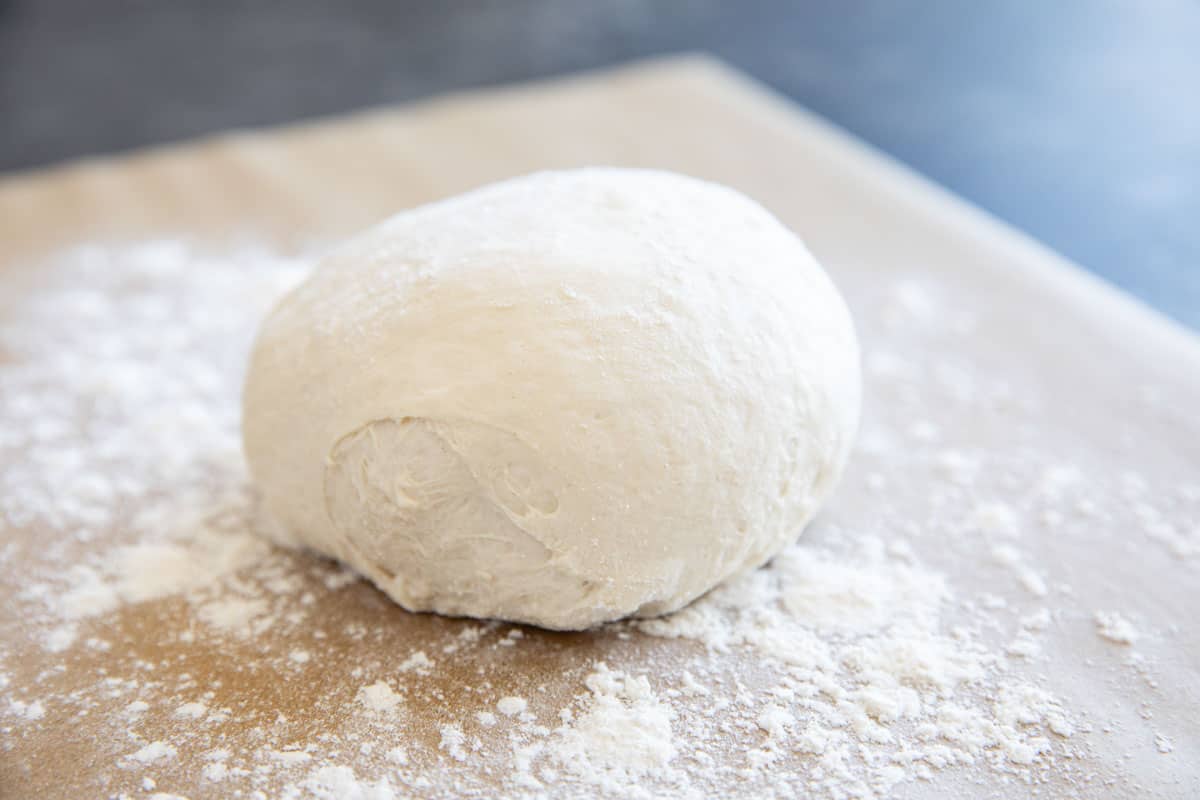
column 339, row 783
column 28, row 711
column 452, row 742
column 192, row 710
column 884, row 649
column 155, row 751
column 379, row 697
column 418, row 662
column 1115, row 628
column 214, row 772
column 290, row 758
column 511, row 706
column 622, row 733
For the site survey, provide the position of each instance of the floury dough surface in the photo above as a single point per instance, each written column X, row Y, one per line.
column 561, row 400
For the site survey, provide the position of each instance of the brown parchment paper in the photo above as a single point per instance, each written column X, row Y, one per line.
column 1085, row 350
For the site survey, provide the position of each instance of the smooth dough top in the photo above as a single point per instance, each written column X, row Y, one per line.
column 560, row 399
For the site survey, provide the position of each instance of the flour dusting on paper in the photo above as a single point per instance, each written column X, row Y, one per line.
column 898, row 642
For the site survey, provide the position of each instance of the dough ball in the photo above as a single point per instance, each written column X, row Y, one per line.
column 560, row 400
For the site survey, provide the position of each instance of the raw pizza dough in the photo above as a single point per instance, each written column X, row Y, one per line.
column 560, row 399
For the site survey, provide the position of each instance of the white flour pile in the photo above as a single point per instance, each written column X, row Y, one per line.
column 913, row 643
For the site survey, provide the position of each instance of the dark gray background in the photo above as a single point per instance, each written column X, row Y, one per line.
column 1076, row 121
